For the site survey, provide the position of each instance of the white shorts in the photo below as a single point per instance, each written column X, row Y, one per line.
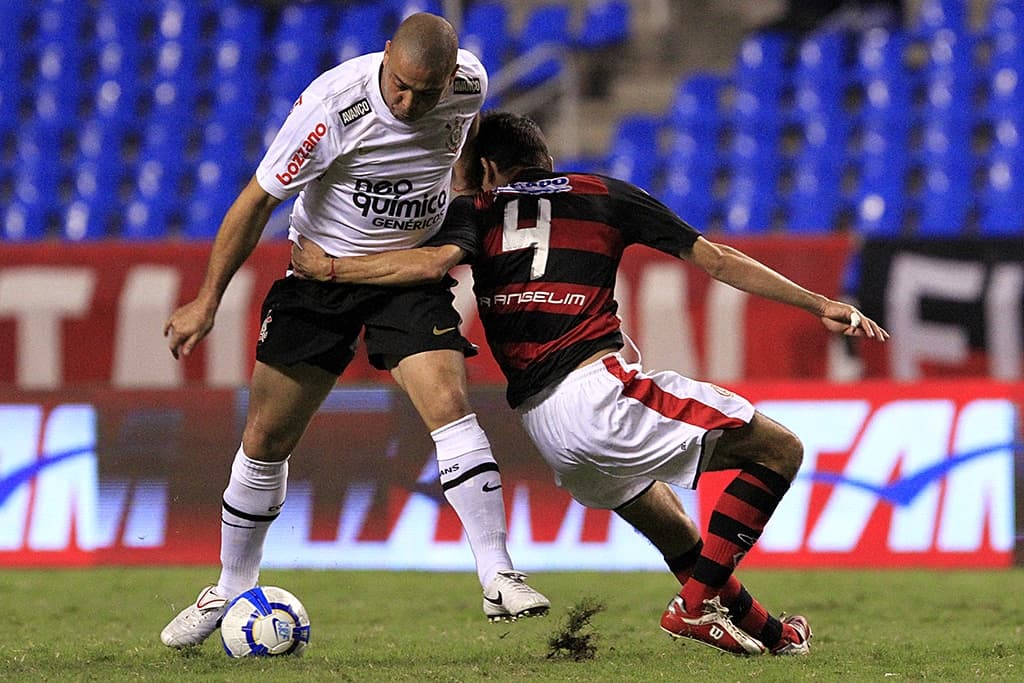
column 609, row 430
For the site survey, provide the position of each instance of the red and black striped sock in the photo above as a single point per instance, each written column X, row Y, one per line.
column 749, row 614
column 682, row 565
column 737, row 521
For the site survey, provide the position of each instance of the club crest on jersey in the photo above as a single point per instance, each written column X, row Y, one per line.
column 355, row 112
column 466, row 85
column 454, row 128
column 544, row 186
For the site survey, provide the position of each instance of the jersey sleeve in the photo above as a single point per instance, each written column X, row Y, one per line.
column 306, row 144
column 471, row 79
column 645, row 220
column 459, row 228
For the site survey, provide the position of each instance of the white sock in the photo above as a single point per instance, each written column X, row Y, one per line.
column 252, row 500
column 472, row 483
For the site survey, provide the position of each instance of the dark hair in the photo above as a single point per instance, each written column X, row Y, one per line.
column 511, row 141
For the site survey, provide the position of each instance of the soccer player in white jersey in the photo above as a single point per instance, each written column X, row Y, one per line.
column 545, row 248
column 370, row 147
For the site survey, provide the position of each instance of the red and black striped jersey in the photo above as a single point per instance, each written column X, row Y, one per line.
column 545, row 250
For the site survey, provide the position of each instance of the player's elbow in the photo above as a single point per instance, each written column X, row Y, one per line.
column 714, row 260
column 433, row 272
column 437, row 261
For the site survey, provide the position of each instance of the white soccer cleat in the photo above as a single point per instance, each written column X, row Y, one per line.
column 195, row 623
column 508, row 598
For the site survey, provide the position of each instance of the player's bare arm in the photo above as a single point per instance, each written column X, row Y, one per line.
column 401, row 268
column 238, row 235
column 733, row 267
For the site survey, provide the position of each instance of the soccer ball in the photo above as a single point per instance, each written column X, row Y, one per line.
column 263, row 622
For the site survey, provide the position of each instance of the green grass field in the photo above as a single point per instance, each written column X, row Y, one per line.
column 103, row 624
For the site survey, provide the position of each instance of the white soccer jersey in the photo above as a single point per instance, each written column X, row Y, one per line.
column 368, row 181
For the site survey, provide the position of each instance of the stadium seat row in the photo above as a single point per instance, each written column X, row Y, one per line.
column 141, row 119
column 887, row 132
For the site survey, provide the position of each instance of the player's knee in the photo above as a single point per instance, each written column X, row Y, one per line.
column 447, row 405
column 267, row 445
column 789, row 453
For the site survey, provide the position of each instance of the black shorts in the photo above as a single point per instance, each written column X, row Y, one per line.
column 319, row 323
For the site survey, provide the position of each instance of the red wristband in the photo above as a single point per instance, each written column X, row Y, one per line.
column 331, row 274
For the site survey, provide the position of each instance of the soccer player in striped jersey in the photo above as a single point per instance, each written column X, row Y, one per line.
column 545, row 248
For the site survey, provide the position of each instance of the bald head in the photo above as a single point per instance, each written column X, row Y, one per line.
column 419, row 65
column 428, row 41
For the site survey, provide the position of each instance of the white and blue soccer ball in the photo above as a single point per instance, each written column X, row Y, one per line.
column 264, row 622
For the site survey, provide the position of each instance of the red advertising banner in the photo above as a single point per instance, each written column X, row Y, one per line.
column 894, row 475
column 74, row 315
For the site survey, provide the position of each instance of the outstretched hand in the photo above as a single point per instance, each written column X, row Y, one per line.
column 843, row 318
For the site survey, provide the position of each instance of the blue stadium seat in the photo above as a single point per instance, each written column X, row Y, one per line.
column 100, row 145
column 1005, row 16
column 485, row 33
column 951, row 51
column 760, row 77
column 634, row 150
column 944, row 204
column 815, row 200
column 947, row 144
column 748, row 205
column 753, row 152
column 1001, row 201
column 116, row 86
column 758, row 110
column 694, row 149
column 887, row 102
column 216, row 188
column 363, row 28
column 146, row 220
column 938, row 15
column 239, row 21
column 546, row 32
column 54, row 106
column 164, row 141
column 34, row 159
column 761, row 60
column 57, row 21
column 10, row 105
column 605, row 23
column 294, row 68
column 879, row 213
column 819, row 79
column 753, row 164
column 687, row 190
column 296, row 59
column 820, row 56
column 879, row 200
column 1003, row 77
column 93, row 199
column 880, row 52
column 22, row 221
column 155, row 198
column 83, row 222
column 813, row 204
column 1001, row 205
column 697, row 102
column 12, row 60
column 403, row 8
